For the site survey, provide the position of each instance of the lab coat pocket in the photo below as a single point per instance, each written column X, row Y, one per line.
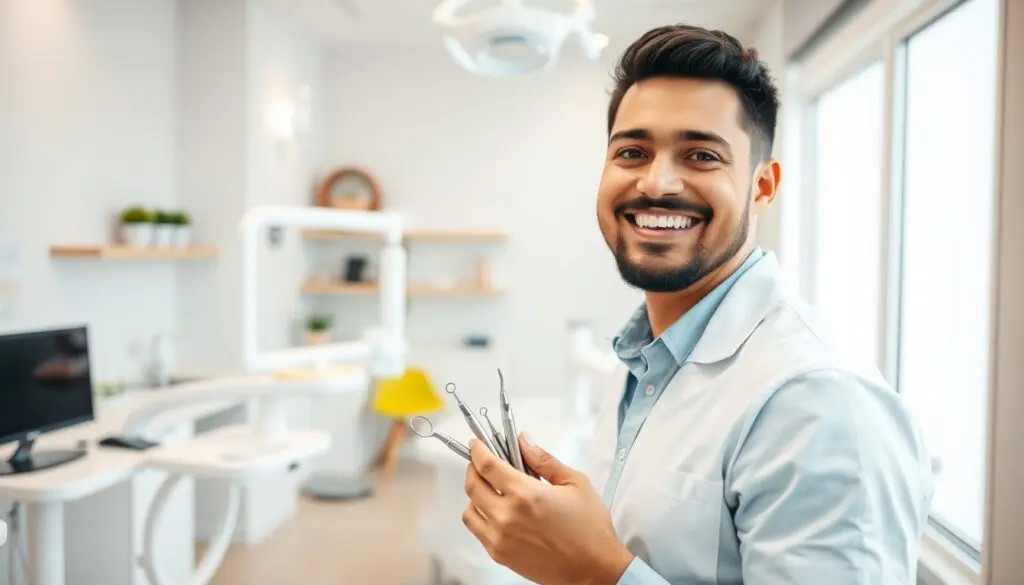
column 684, row 486
column 673, row 522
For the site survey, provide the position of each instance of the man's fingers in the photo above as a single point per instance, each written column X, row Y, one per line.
column 502, row 476
column 480, row 493
column 477, row 525
column 545, row 464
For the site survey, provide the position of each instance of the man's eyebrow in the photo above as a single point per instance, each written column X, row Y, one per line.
column 704, row 136
column 684, row 136
column 631, row 134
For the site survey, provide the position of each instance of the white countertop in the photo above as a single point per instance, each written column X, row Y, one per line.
column 102, row 467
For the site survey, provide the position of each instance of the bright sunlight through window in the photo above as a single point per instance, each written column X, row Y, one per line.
column 947, row 251
column 848, row 207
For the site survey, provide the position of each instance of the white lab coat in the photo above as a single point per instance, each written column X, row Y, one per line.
column 773, row 456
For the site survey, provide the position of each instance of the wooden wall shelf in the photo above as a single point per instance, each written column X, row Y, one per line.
column 326, row 287
column 116, row 252
column 414, row 235
column 322, row 287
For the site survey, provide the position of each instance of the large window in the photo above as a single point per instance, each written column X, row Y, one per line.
column 899, row 149
column 948, row 197
column 848, row 206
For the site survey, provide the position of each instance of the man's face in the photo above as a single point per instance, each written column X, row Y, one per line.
column 674, row 201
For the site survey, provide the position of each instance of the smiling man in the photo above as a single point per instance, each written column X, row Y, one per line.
column 738, row 442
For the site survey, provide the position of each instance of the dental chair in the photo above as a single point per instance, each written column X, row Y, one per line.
column 563, row 427
column 237, row 456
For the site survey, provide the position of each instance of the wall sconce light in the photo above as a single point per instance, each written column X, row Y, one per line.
column 282, row 120
column 288, row 117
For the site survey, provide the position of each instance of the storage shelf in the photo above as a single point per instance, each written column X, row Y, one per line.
column 323, row 287
column 420, row 235
column 117, row 252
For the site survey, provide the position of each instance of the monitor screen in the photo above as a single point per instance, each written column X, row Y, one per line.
column 45, row 381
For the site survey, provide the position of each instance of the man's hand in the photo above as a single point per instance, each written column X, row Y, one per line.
column 556, row 533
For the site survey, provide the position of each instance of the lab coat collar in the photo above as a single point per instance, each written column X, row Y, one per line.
column 740, row 312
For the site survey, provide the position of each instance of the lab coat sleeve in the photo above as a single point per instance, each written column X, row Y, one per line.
column 832, row 485
column 640, row 573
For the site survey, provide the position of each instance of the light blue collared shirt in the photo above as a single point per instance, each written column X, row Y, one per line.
column 653, row 362
column 729, row 469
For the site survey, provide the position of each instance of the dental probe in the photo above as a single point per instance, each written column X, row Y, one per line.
column 499, row 441
column 472, row 421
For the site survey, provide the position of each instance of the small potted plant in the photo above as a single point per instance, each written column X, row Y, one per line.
column 165, row 229
column 182, row 229
column 136, row 226
column 111, row 392
column 318, row 329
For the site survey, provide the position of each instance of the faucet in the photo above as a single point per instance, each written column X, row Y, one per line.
column 158, row 374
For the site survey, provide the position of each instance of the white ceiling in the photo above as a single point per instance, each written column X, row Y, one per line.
column 380, row 24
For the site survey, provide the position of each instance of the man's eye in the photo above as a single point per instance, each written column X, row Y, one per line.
column 705, row 156
column 631, row 153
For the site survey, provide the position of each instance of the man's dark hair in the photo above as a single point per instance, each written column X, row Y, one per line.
column 690, row 51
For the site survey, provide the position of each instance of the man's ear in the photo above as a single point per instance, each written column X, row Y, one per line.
column 766, row 184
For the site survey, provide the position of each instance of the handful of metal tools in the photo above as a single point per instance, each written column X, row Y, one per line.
column 504, row 446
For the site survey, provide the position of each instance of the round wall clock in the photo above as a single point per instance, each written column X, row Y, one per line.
column 349, row 188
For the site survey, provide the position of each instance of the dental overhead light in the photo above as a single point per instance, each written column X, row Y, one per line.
column 512, row 39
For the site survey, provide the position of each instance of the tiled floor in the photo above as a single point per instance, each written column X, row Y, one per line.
column 373, row 541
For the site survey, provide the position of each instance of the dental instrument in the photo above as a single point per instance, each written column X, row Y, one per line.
column 508, row 420
column 473, row 421
column 498, row 439
column 422, row 426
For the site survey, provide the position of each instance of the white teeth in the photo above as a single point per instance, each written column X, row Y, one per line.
column 664, row 221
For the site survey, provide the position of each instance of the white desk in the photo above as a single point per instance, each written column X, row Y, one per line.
column 46, row 492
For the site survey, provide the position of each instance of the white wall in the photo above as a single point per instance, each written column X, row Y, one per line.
column 766, row 37
column 284, row 67
column 238, row 63
column 212, row 123
column 522, row 155
column 87, row 126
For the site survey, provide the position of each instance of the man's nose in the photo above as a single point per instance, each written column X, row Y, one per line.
column 662, row 178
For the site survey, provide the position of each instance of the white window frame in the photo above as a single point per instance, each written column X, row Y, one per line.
column 877, row 33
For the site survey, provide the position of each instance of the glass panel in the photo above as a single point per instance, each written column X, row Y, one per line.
column 848, row 207
column 947, row 251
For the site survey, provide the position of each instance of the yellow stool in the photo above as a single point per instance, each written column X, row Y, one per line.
column 402, row 398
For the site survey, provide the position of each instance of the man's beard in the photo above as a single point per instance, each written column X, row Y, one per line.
column 679, row 278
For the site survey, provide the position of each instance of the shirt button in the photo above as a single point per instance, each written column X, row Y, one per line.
column 622, row 453
column 650, row 390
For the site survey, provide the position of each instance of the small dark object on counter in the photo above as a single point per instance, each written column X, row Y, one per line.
column 477, row 341
column 133, row 443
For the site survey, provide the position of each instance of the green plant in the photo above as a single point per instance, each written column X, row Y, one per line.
column 137, row 215
column 317, row 323
column 165, row 217
column 181, row 218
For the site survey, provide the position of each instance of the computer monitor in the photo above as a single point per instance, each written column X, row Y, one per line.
column 45, row 385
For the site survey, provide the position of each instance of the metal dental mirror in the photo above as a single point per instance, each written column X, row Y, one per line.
column 422, row 426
